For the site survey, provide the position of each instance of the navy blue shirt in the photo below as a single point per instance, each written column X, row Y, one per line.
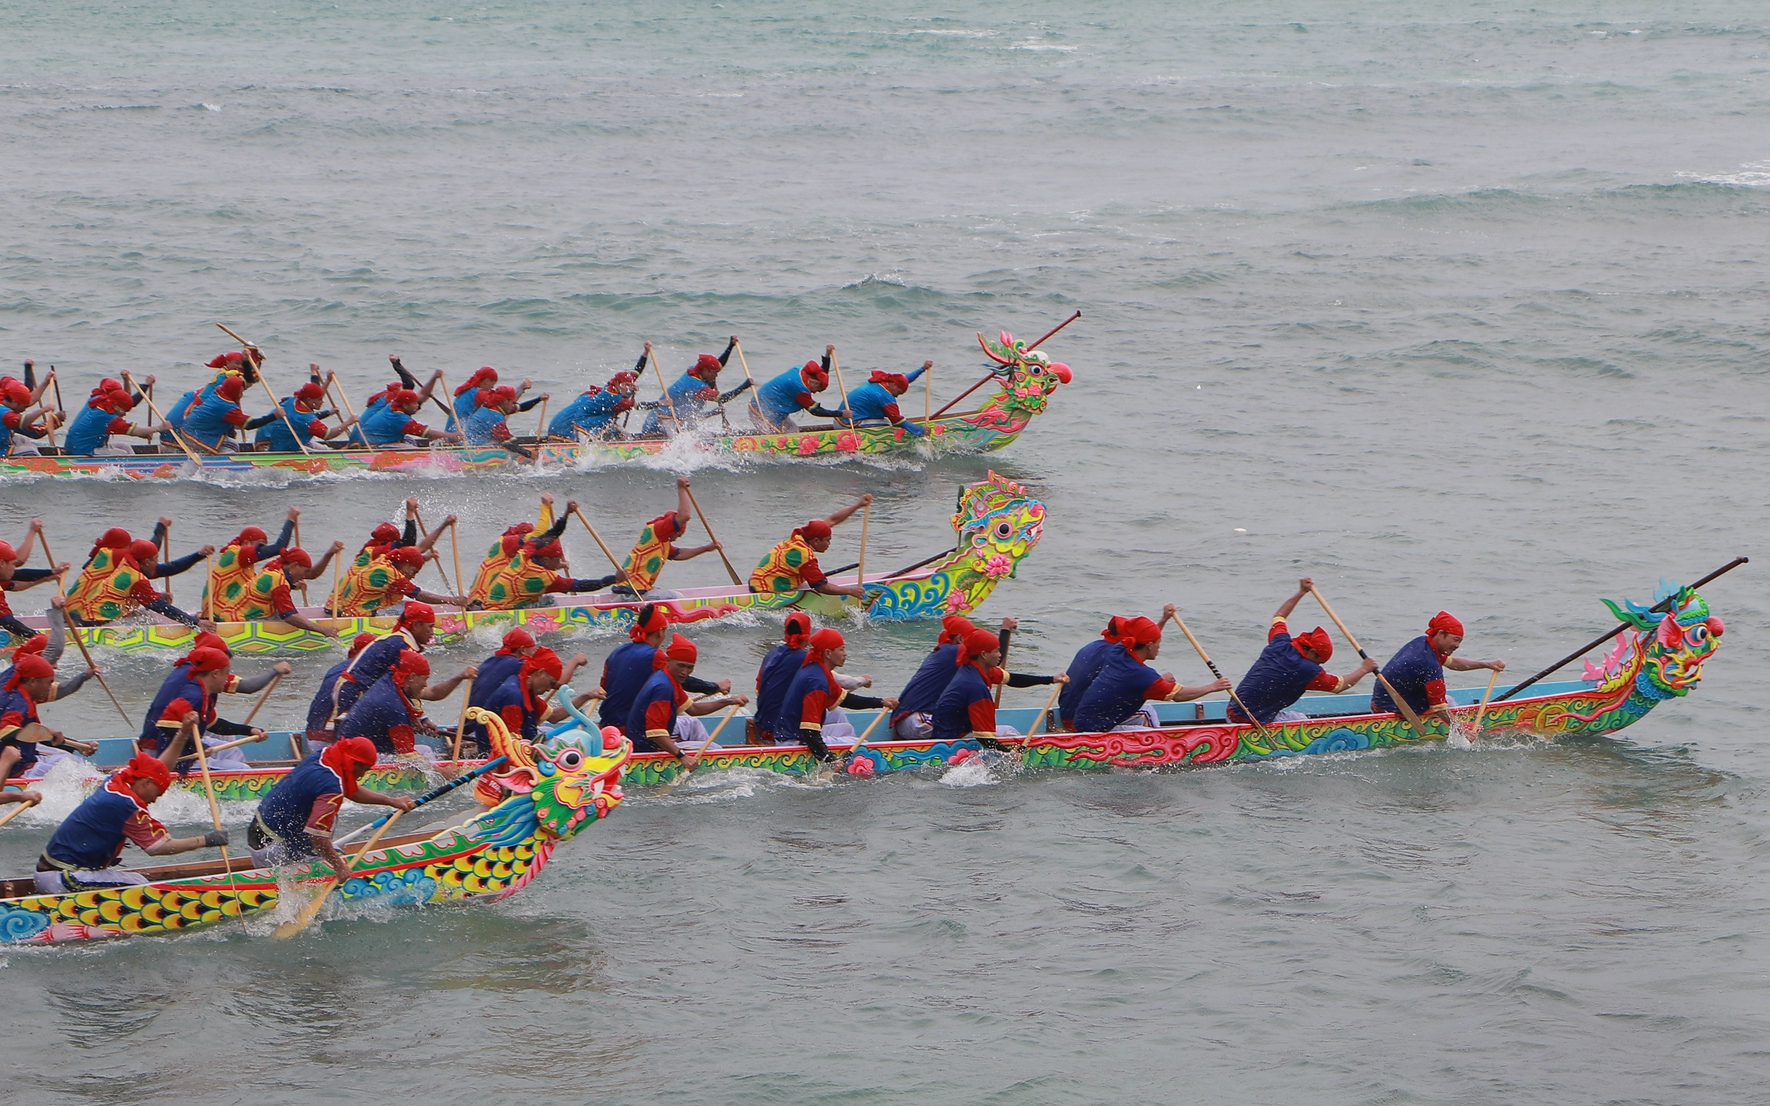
column 1416, row 673
column 923, row 691
column 1118, row 690
column 1083, row 667
column 772, row 681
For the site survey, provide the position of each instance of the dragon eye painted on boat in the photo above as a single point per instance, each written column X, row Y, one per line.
column 1032, row 376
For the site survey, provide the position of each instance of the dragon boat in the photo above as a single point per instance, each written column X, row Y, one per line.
column 1025, row 382
column 995, row 525
column 542, row 796
column 1660, row 658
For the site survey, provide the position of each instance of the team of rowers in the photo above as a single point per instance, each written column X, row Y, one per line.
column 369, row 706
column 212, row 419
column 252, row 578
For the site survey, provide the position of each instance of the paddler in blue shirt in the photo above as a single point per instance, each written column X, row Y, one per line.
column 698, row 384
column 967, row 708
column 876, row 401
column 1115, row 697
column 628, row 668
column 295, row 820
column 661, row 716
column 1289, row 666
column 815, row 691
column 83, row 853
column 594, row 412
column 1085, row 665
column 1416, row 671
column 913, row 720
column 790, row 393
column 303, row 412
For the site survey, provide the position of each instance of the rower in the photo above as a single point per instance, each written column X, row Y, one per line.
column 295, row 820
column 185, row 704
column 534, row 576
column 661, row 718
column 593, row 413
column 657, row 544
column 390, row 423
column 509, row 544
column 83, row 853
column 302, row 411
column 968, row 705
column 628, row 668
column 1085, row 665
column 790, row 393
column 775, row 676
column 323, row 706
column 414, row 630
column 31, row 684
column 89, row 435
column 49, row 647
column 521, row 699
column 875, row 401
column 467, row 395
column 372, row 586
column 214, row 416
column 235, row 565
column 698, row 384
column 914, row 718
column 21, row 412
column 1288, row 667
column 1126, row 681
column 1416, row 671
column 233, row 363
column 815, row 692
column 269, row 598
column 388, row 712
column 518, row 646
column 792, row 564
column 488, row 425
column 114, row 581
column 13, row 577
column 408, row 381
column 236, row 683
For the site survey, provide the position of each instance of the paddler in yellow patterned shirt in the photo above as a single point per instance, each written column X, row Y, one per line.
column 657, row 544
column 792, row 564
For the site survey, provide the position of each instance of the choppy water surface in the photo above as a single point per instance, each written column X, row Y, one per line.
column 1447, row 306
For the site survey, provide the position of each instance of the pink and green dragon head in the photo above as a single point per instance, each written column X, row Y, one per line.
column 570, row 777
column 1031, row 376
column 1664, row 658
column 997, row 525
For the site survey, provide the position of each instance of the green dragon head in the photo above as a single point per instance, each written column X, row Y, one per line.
column 1671, row 648
column 1031, row 376
column 997, row 524
column 571, row 777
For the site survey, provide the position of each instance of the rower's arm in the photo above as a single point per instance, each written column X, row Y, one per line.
column 166, row 846
column 1351, row 679
column 248, row 685
column 165, row 609
column 708, row 706
column 375, row 798
column 177, row 565
column 1289, row 605
column 1458, row 664
column 689, row 553
column 434, row 599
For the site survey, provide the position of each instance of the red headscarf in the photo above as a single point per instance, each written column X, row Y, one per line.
column 649, row 622
column 221, row 359
column 515, row 641
column 144, row 553
column 310, row 393
column 895, row 383
column 814, row 376
column 361, row 642
column 7, row 552
column 820, row 644
column 208, row 640
column 34, row 645
column 114, row 538
column 977, row 643
column 144, row 767
column 1318, row 640
column 542, row 660
column 622, row 377
column 683, row 651
column 1138, row 631
column 231, row 388
column 706, row 364
column 294, row 555
column 204, row 660
column 415, row 612
column 411, row 663
column 251, row 535
column 407, row 555
column 384, row 533
column 29, row 667
column 797, row 630
column 482, row 377
column 551, row 549
column 403, row 399
column 1444, row 623
column 344, row 755
column 953, row 630
column 813, row 530
column 1115, row 629
column 17, row 395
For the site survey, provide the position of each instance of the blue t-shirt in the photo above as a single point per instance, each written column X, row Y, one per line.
column 658, row 689
column 1416, row 673
column 772, row 681
column 381, row 715
column 591, row 414
column 212, row 420
column 319, row 711
column 178, row 684
column 922, row 693
column 465, row 405
column 952, row 714
column 493, row 672
column 90, row 430
column 784, row 396
column 509, row 694
column 384, row 424
column 687, row 394
column 790, row 717
column 1278, row 678
column 624, row 672
column 482, row 424
column 1117, row 691
column 285, row 811
column 92, row 836
column 276, row 432
column 375, row 661
column 1083, row 667
column 19, row 705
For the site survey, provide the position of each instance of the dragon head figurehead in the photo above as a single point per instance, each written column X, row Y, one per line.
column 571, row 777
column 997, row 524
column 1665, row 658
column 1031, row 376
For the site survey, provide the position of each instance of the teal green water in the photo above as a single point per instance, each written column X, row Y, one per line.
column 1448, row 306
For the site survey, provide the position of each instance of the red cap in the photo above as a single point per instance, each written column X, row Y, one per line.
column 360, row 642
column 683, row 650
column 29, row 667
column 7, row 552
column 622, row 377
column 543, row 660
column 517, row 640
column 344, row 755
column 813, row 530
column 417, row 612
column 384, row 533
column 407, row 555
column 16, row 393
column 411, row 663
column 977, row 643
column 814, row 376
column 221, row 360
column 206, row 660
column 551, row 549
column 209, row 640
column 706, row 363
column 482, row 377
column 1138, row 631
column 797, row 630
column 649, row 621
column 820, row 643
column 296, row 556
column 310, row 392
column 144, row 552
column 32, row 645
column 114, row 538
column 1444, row 623
column 251, row 535
column 896, row 383
column 144, row 767
column 404, row 398
column 231, row 389
column 505, row 393
column 953, row 630
column 1317, row 640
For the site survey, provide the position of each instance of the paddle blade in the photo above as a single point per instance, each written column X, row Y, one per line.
column 308, row 913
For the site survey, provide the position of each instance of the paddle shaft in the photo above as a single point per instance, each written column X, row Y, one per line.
column 855, row 749
column 1482, row 712
column 836, row 364
column 1206, row 657
column 424, row 535
column 214, row 807
column 433, row 794
column 668, row 400
column 17, row 809
column 312, row 909
column 730, row 571
column 344, row 403
column 992, row 375
column 1401, row 705
column 861, row 576
column 455, row 548
column 236, row 743
column 246, row 349
column 606, row 552
column 1658, row 608
column 272, row 686
column 705, row 745
column 461, row 722
column 166, row 555
column 208, row 587
column 920, row 563
column 74, row 632
column 1043, row 714
column 170, row 429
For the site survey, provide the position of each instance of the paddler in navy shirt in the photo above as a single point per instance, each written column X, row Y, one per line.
column 968, row 705
column 1416, row 671
column 1085, row 665
column 914, row 718
column 1125, row 682
column 628, row 668
column 1289, row 666
column 776, row 674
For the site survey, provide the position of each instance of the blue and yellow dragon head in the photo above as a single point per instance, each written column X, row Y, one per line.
column 997, row 524
column 1031, row 376
column 1665, row 658
column 570, row 777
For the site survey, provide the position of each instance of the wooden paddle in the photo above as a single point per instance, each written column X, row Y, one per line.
column 667, row 401
column 344, row 404
column 18, row 809
column 248, row 350
column 1402, row 705
column 705, row 745
column 208, row 588
column 74, row 632
column 155, row 411
column 860, row 576
column 843, row 388
column 166, row 555
column 1481, row 712
column 599, row 542
column 854, row 750
column 268, row 688
column 541, row 431
column 747, row 376
column 434, row 793
column 992, row 374
column 305, row 601
column 1043, row 715
column 236, row 743
column 214, row 807
column 424, row 533
column 730, row 571
column 461, row 722
column 455, row 547
column 312, row 910
column 1206, row 657
column 928, row 395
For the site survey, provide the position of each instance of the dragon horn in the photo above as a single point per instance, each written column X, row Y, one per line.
column 1633, row 619
column 992, row 354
